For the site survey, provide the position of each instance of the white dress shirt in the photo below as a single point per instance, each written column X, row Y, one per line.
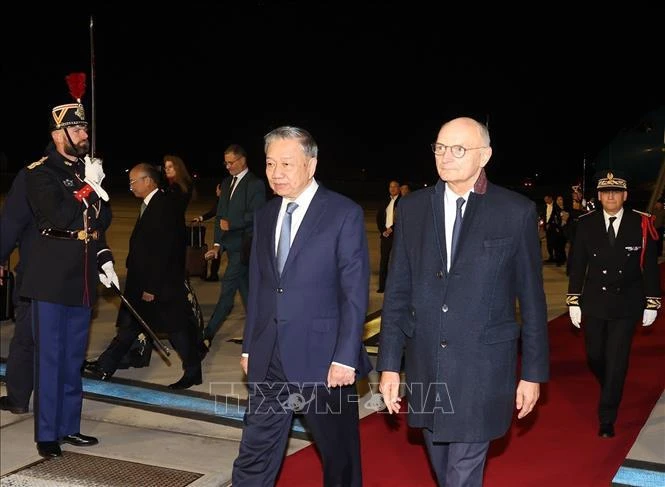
column 238, row 177
column 390, row 212
column 147, row 199
column 303, row 201
column 617, row 222
column 450, row 212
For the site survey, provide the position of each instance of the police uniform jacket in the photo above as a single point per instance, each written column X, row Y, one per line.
column 606, row 281
column 64, row 270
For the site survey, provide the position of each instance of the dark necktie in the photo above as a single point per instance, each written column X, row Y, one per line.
column 143, row 207
column 611, row 234
column 233, row 185
column 456, row 229
column 285, row 237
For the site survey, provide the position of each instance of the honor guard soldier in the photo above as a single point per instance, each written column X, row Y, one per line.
column 613, row 282
column 65, row 264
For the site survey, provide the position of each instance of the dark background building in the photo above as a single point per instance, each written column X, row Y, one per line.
column 372, row 81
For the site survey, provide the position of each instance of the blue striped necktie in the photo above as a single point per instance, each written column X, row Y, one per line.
column 285, row 237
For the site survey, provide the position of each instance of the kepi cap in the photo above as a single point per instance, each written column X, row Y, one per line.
column 70, row 114
column 611, row 181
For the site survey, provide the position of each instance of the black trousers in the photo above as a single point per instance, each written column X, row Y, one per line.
column 214, row 267
column 331, row 416
column 184, row 341
column 608, row 345
column 386, row 248
column 21, row 357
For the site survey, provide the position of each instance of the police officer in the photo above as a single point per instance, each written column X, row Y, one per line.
column 62, row 270
column 18, row 228
column 613, row 282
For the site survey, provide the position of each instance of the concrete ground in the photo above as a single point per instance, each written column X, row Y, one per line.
column 155, row 438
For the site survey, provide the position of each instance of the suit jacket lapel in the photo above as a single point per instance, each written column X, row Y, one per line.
column 241, row 188
column 439, row 221
column 602, row 230
column 475, row 200
column 140, row 218
column 620, row 241
column 312, row 218
column 271, row 219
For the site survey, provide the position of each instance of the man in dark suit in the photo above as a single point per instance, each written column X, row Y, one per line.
column 614, row 280
column 213, row 276
column 242, row 194
column 18, row 229
column 551, row 218
column 309, row 279
column 385, row 219
column 465, row 250
column 63, row 267
column 155, row 280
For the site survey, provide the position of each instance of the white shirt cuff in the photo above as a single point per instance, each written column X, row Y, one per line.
column 343, row 365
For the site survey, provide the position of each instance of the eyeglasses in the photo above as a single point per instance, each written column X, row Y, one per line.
column 457, row 151
column 132, row 181
column 231, row 163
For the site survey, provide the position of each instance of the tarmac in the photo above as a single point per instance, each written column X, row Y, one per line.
column 146, row 430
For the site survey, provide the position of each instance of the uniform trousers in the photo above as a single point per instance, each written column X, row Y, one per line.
column 608, row 345
column 61, row 338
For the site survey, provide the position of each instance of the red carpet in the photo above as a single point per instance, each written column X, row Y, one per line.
column 558, row 445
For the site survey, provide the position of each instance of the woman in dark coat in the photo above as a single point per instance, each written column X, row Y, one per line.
column 178, row 182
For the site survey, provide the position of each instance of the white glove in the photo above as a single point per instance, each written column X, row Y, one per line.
column 94, row 171
column 94, row 175
column 575, row 313
column 649, row 317
column 109, row 276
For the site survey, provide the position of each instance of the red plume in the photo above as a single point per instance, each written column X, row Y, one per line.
column 76, row 83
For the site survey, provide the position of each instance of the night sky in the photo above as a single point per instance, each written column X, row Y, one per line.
column 372, row 83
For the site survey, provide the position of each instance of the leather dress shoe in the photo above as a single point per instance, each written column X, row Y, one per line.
column 187, row 381
column 606, row 430
column 5, row 405
column 49, row 449
column 78, row 439
column 95, row 369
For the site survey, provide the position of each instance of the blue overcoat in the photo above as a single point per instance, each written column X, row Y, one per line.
column 459, row 328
